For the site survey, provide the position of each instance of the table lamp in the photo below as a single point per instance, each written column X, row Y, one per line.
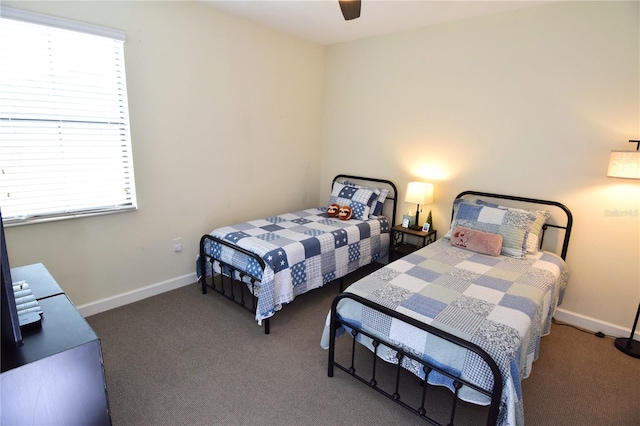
column 419, row 193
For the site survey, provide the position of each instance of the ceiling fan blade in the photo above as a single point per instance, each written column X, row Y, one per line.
column 350, row 9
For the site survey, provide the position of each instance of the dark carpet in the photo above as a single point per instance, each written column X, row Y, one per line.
column 184, row 358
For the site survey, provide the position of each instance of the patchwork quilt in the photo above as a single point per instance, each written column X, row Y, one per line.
column 502, row 304
column 301, row 250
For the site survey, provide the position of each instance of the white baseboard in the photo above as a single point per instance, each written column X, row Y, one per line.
column 562, row 315
column 595, row 325
column 135, row 295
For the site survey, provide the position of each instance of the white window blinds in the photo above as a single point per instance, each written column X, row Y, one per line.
column 65, row 148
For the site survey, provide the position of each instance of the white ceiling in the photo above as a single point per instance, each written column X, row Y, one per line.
column 321, row 21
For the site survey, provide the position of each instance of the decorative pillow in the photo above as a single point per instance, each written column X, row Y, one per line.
column 456, row 204
column 379, row 203
column 480, row 242
column 381, row 196
column 359, row 199
column 513, row 225
column 533, row 238
column 535, row 233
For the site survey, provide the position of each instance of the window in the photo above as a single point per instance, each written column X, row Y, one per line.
column 65, row 149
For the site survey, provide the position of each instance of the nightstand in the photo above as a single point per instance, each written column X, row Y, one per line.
column 399, row 247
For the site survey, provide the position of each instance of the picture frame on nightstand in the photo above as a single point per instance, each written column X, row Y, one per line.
column 408, row 220
column 425, row 227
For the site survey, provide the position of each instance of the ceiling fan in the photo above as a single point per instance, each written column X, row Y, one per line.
column 350, row 9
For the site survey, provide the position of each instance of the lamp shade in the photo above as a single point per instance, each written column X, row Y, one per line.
column 419, row 193
column 624, row 164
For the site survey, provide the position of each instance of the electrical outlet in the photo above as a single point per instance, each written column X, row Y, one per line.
column 177, row 245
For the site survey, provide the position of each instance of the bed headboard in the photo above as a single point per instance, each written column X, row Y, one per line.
column 389, row 208
column 561, row 218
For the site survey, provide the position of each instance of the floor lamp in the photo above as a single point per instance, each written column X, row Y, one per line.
column 626, row 165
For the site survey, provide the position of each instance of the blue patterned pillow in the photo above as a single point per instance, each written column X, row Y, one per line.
column 512, row 224
column 381, row 196
column 533, row 238
column 379, row 203
column 359, row 199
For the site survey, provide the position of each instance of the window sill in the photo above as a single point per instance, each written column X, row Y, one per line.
column 65, row 216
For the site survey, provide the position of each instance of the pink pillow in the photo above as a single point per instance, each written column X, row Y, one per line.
column 478, row 241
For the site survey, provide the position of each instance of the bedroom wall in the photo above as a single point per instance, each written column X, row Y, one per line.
column 218, row 106
column 528, row 102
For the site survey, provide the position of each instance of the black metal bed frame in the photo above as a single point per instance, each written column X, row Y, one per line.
column 242, row 287
column 494, row 393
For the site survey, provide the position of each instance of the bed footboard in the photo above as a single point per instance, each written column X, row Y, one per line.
column 234, row 284
column 428, row 368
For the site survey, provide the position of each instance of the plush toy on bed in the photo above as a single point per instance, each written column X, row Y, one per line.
column 480, row 242
column 345, row 213
column 332, row 210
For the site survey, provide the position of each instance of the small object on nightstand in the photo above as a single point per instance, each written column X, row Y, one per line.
column 408, row 220
column 400, row 247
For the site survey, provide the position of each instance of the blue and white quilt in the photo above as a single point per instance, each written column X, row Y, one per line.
column 502, row 304
column 302, row 251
